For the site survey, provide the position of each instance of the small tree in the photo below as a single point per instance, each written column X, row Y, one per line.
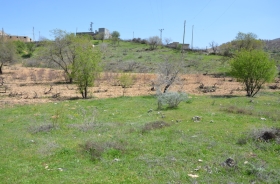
column 253, row 68
column 167, row 40
column 63, row 50
column 86, row 68
column 7, row 54
column 154, row 42
column 126, row 81
column 168, row 74
column 115, row 37
column 214, row 46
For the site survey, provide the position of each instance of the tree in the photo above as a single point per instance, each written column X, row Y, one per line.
column 168, row 74
column 86, row 68
column 115, row 37
column 167, row 40
column 63, row 50
column 214, row 46
column 253, row 68
column 154, row 42
column 247, row 41
column 7, row 54
column 115, row 34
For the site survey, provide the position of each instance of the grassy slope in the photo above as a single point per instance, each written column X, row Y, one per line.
column 130, row 155
column 148, row 60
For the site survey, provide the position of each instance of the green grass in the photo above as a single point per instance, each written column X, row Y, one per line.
column 102, row 141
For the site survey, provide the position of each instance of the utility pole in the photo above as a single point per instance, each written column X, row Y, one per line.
column 133, row 35
column 192, row 36
column 90, row 29
column 33, row 35
column 2, row 35
column 161, row 34
column 183, row 39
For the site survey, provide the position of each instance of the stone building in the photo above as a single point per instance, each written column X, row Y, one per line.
column 104, row 31
column 7, row 37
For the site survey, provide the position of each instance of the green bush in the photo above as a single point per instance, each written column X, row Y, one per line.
column 171, row 99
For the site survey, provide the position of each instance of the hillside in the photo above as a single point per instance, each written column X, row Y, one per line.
column 272, row 45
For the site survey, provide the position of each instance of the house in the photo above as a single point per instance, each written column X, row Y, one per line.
column 176, row 45
column 7, row 37
column 104, row 31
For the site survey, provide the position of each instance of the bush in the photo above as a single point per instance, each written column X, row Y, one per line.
column 171, row 99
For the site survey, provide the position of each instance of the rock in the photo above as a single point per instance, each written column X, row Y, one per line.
column 196, row 118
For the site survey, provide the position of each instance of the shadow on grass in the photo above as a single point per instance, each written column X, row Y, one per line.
column 225, row 96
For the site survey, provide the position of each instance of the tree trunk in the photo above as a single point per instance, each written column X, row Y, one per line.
column 1, row 69
column 85, row 92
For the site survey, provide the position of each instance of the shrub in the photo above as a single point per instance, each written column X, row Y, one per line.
column 253, row 68
column 126, row 80
column 154, row 125
column 171, row 99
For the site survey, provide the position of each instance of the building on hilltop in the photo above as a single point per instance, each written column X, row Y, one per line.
column 7, row 37
column 103, row 31
column 176, row 44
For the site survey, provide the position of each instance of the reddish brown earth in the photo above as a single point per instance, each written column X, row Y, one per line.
column 37, row 85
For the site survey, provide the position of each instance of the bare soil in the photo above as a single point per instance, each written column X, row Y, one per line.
column 23, row 85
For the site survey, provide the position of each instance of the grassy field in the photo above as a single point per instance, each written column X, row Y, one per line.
column 127, row 140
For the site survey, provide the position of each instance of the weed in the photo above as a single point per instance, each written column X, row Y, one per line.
column 108, row 149
column 42, row 128
column 154, row 125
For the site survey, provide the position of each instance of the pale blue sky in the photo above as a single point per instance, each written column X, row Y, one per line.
column 213, row 20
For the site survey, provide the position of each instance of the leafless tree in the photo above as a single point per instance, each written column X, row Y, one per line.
column 214, row 46
column 168, row 73
column 167, row 40
column 154, row 42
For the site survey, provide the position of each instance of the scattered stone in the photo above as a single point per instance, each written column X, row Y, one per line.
column 151, row 110
column 200, row 160
column 196, row 118
column 229, row 162
column 116, row 160
column 264, row 119
column 60, row 169
column 193, row 175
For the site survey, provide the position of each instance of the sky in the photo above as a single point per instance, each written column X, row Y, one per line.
column 205, row 20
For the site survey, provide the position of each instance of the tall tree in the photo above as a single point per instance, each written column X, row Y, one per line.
column 247, row 41
column 63, row 50
column 253, row 68
column 7, row 54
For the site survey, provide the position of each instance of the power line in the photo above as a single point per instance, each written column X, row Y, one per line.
column 221, row 15
column 200, row 11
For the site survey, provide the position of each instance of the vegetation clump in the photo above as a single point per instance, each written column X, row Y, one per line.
column 154, row 125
